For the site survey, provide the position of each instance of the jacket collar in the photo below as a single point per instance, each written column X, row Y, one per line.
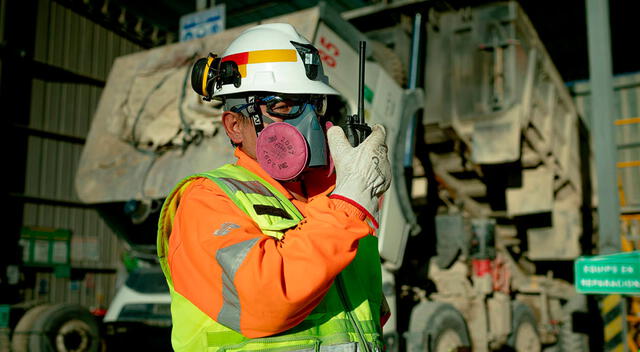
column 252, row 165
column 315, row 186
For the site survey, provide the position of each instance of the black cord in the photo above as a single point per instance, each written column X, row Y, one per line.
column 134, row 142
column 185, row 126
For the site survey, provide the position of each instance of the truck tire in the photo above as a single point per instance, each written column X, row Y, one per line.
column 437, row 327
column 524, row 335
column 20, row 338
column 65, row 328
column 568, row 339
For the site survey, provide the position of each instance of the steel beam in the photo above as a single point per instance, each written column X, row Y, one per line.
column 602, row 119
column 605, row 151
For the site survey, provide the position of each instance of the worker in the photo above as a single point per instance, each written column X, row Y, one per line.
column 276, row 252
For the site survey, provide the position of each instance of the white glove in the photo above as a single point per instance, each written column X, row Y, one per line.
column 363, row 173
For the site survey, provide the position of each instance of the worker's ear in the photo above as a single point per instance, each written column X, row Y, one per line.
column 233, row 123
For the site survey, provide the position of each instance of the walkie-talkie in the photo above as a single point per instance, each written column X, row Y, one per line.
column 356, row 129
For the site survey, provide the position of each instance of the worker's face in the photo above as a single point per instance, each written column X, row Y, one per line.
column 241, row 130
column 293, row 140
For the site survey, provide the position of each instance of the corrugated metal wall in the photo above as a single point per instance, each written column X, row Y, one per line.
column 71, row 42
column 627, row 105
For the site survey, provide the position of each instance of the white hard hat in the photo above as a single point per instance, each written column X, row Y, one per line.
column 275, row 58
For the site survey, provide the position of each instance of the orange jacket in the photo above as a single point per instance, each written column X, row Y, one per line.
column 280, row 281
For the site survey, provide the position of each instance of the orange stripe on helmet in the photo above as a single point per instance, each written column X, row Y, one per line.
column 261, row 57
column 243, row 70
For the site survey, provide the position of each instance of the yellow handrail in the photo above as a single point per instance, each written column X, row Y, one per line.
column 628, row 121
column 632, row 163
column 627, row 245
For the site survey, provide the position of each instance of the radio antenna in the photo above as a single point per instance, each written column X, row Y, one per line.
column 363, row 47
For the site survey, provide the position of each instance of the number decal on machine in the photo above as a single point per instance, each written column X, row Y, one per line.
column 332, row 52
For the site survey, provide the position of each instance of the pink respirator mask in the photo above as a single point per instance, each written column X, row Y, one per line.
column 285, row 149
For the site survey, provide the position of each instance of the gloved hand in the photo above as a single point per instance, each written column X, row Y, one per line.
column 363, row 173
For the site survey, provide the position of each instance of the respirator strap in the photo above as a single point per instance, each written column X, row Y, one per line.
column 255, row 114
column 249, row 109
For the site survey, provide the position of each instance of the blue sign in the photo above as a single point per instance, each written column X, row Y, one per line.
column 199, row 24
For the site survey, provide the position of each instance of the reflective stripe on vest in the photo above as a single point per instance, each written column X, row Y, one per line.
column 270, row 209
column 328, row 327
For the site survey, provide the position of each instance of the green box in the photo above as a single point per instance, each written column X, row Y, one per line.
column 45, row 246
column 4, row 315
column 608, row 274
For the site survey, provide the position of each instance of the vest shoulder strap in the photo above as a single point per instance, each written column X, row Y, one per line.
column 256, row 198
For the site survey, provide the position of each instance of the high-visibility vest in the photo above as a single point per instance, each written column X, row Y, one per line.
column 347, row 319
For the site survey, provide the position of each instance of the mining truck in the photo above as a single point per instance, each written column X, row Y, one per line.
column 488, row 206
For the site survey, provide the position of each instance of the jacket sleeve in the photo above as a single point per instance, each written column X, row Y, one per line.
column 252, row 283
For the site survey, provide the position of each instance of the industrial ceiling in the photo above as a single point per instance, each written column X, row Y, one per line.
column 561, row 25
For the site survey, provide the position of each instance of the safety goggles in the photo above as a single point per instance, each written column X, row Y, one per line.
column 287, row 106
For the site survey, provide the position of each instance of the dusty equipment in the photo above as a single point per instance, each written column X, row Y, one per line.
column 496, row 180
column 502, row 135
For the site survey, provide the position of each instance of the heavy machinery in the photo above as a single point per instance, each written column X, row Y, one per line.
column 487, row 160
